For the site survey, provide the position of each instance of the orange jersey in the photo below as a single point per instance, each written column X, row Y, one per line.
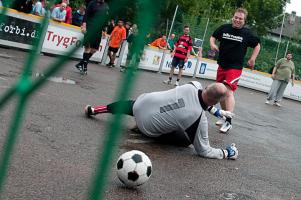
column 117, row 36
column 159, row 42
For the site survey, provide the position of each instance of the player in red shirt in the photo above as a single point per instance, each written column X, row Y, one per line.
column 180, row 55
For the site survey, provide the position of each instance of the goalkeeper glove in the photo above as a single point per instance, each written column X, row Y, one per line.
column 220, row 113
column 231, row 152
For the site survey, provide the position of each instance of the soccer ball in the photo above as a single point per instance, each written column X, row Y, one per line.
column 134, row 168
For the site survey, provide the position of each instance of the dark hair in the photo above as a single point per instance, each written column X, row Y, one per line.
column 289, row 53
column 186, row 26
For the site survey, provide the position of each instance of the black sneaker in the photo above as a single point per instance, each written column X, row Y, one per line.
column 109, row 64
column 89, row 111
column 79, row 67
column 85, row 70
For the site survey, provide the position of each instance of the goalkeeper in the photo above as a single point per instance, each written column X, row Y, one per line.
column 176, row 113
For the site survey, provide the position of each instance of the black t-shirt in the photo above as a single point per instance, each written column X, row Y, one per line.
column 233, row 45
column 95, row 7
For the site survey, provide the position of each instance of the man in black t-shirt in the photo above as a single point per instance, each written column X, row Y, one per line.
column 94, row 8
column 234, row 41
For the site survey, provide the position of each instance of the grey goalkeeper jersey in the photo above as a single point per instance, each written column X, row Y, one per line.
column 176, row 110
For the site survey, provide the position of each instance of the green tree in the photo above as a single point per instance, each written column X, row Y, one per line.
column 75, row 4
column 264, row 14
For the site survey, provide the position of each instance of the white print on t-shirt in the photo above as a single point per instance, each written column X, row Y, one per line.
column 228, row 36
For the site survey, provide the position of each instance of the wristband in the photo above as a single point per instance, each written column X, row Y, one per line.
column 215, row 111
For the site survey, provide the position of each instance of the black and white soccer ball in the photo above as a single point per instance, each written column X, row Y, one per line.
column 134, row 168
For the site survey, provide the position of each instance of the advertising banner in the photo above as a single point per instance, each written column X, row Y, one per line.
column 18, row 30
column 189, row 66
column 206, row 69
column 151, row 59
column 60, row 39
column 262, row 82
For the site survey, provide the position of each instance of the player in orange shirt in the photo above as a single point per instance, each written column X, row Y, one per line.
column 118, row 35
column 160, row 42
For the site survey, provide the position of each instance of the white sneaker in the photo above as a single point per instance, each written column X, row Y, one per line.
column 168, row 82
column 225, row 127
column 267, row 102
column 220, row 122
column 277, row 104
column 89, row 111
column 177, row 83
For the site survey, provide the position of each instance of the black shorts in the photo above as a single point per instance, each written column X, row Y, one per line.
column 177, row 62
column 114, row 50
column 94, row 43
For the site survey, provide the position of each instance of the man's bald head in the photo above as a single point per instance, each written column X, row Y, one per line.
column 213, row 93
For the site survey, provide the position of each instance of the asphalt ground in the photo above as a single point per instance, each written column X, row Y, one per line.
column 57, row 148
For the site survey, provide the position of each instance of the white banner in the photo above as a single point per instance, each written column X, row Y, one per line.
column 206, row 69
column 59, row 39
column 189, row 66
column 151, row 59
column 262, row 82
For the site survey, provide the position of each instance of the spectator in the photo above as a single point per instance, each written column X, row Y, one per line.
column 1, row 3
column 59, row 13
column 38, row 9
column 23, row 5
column 171, row 42
column 147, row 40
column 131, row 39
column 110, row 26
column 78, row 16
column 128, row 28
column 68, row 18
column 160, row 42
column 283, row 71
column 117, row 37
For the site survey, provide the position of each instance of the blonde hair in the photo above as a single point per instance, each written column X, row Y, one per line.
column 242, row 10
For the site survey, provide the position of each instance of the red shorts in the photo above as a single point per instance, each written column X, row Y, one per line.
column 229, row 77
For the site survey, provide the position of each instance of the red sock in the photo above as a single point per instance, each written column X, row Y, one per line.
column 100, row 109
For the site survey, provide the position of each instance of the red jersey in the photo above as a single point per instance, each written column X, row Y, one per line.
column 183, row 46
